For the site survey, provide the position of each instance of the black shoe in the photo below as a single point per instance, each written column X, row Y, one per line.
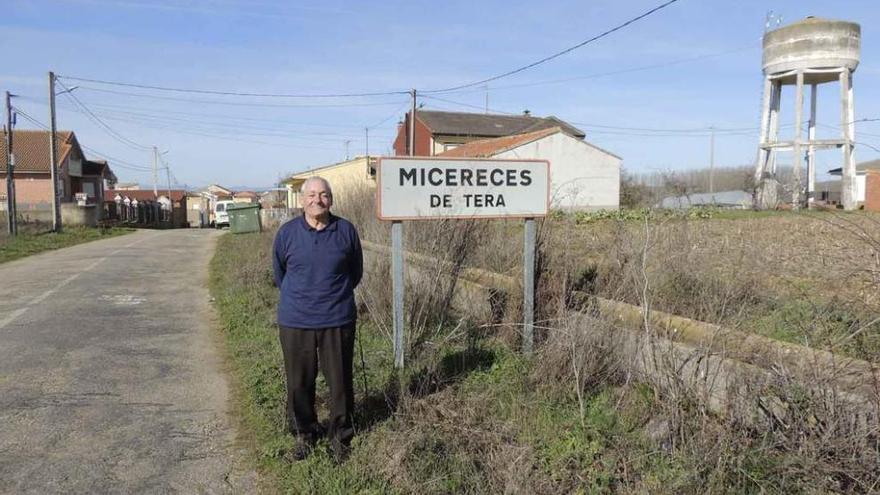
column 302, row 447
column 339, row 451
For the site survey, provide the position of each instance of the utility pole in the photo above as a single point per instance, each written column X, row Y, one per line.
column 367, row 145
column 170, row 201
column 10, row 170
column 347, row 142
column 412, row 125
column 53, row 158
column 155, row 172
column 712, row 160
column 487, row 98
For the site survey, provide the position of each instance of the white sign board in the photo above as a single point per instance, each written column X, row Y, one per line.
column 430, row 188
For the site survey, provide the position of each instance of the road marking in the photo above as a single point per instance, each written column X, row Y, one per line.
column 42, row 297
column 123, row 299
column 15, row 314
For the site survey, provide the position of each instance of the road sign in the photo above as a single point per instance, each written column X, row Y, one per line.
column 433, row 188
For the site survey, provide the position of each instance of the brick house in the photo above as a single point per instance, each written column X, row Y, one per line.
column 33, row 184
column 436, row 132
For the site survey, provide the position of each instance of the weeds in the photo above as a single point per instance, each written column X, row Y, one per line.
column 598, row 409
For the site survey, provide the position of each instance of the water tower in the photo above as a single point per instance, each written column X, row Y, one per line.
column 809, row 52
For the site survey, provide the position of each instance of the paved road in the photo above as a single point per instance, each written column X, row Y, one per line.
column 111, row 378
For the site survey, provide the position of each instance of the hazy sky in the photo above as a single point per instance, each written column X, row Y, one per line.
column 646, row 92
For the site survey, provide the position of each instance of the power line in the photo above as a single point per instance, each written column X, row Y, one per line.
column 113, row 133
column 238, row 104
column 465, row 104
column 557, row 54
column 236, row 93
column 609, row 73
column 117, row 161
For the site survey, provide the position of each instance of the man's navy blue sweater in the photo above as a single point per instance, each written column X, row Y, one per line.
column 317, row 271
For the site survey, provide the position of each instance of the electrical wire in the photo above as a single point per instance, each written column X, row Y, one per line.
column 235, row 93
column 112, row 132
column 557, row 54
column 598, row 75
column 238, row 104
column 117, row 161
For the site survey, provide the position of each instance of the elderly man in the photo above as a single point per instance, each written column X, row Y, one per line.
column 317, row 263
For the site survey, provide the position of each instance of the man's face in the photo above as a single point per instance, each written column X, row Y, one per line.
column 316, row 199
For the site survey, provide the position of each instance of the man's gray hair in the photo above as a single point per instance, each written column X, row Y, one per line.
column 316, row 178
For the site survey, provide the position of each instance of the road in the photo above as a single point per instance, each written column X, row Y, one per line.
column 111, row 374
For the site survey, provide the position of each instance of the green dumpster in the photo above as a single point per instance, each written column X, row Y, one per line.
column 243, row 218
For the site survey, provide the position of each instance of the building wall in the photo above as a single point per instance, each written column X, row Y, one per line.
column 32, row 192
column 423, row 139
column 441, row 143
column 872, row 190
column 582, row 177
column 345, row 179
column 860, row 188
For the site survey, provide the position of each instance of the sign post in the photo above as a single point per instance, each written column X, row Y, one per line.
column 431, row 188
column 529, row 286
column 397, row 282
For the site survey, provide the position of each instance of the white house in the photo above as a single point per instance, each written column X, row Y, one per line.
column 861, row 177
column 582, row 175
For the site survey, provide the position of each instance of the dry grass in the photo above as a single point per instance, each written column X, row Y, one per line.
column 599, row 408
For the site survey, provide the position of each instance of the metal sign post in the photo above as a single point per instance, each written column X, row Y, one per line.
column 432, row 188
column 397, row 281
column 529, row 287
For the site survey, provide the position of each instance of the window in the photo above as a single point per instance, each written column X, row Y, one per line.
column 89, row 189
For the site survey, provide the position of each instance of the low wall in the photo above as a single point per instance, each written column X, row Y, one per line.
column 711, row 361
column 71, row 215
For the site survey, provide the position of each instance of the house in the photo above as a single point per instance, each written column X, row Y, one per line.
column 582, row 175
column 274, row 199
column 861, row 177
column 872, row 189
column 347, row 178
column 76, row 175
column 197, row 209
column 127, row 186
column 219, row 192
column 245, row 197
column 437, row 132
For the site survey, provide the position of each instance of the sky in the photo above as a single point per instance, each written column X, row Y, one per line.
column 648, row 92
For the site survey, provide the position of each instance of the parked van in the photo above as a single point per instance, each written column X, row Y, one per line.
column 221, row 217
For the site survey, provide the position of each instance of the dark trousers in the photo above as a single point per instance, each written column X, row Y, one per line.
column 303, row 350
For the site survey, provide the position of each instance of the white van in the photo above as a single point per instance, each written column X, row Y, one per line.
column 221, row 217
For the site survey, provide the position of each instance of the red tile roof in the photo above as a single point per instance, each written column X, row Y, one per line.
column 491, row 147
column 31, row 149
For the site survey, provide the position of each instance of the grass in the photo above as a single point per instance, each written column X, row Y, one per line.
column 471, row 415
column 29, row 243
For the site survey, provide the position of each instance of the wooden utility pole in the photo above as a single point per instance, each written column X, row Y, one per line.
column 53, row 158
column 10, row 170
